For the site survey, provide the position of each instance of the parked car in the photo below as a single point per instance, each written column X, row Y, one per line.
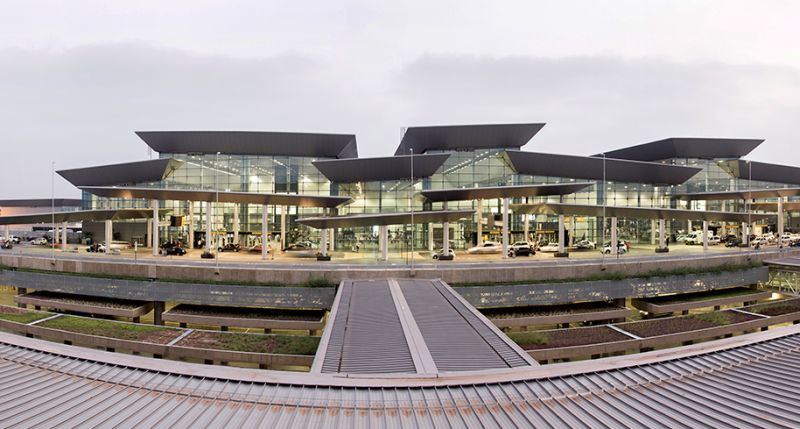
column 438, row 254
column 7, row 245
column 733, row 242
column 622, row 248
column 521, row 248
column 257, row 248
column 585, row 245
column 301, row 249
column 39, row 241
column 550, row 247
column 230, row 247
column 96, row 248
column 171, row 249
column 488, row 247
column 714, row 240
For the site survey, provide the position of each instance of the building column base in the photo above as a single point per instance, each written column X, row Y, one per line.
column 662, row 250
column 561, row 254
column 445, row 257
column 323, row 257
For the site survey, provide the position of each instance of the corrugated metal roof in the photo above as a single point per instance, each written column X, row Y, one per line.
column 752, row 385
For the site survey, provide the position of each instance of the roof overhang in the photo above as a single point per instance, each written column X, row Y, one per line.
column 252, row 143
column 586, row 167
column 402, row 218
column 762, row 171
column 221, row 196
column 42, row 202
column 740, row 195
column 398, row 167
column 452, row 137
column 686, row 147
column 79, row 216
column 636, row 212
column 152, row 170
column 514, row 191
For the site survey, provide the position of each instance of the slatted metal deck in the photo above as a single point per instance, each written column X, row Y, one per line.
column 410, row 326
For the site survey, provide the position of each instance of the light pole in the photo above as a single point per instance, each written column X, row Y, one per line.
column 216, row 211
column 411, row 202
column 749, row 201
column 603, row 243
column 53, row 209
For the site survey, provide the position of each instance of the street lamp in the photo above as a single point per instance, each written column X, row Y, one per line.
column 603, row 243
column 52, row 210
column 411, row 202
column 216, row 211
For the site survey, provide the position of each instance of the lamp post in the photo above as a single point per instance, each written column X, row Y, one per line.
column 603, row 243
column 411, row 202
column 749, row 201
column 216, row 211
column 52, row 209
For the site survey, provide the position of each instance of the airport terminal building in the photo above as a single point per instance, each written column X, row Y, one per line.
column 457, row 183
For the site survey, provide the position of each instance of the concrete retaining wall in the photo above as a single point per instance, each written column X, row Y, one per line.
column 513, row 322
column 606, row 290
column 242, row 322
column 689, row 305
column 85, row 308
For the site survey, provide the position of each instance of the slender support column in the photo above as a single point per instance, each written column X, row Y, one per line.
column 752, row 229
column 479, row 239
column 283, row 226
column 705, row 235
column 63, row 236
column 445, row 233
column 7, row 232
column 109, row 234
column 688, row 226
column 662, row 236
column 191, row 225
column 264, row 232
column 561, row 248
column 236, row 223
column 526, row 227
column 324, row 241
column 505, row 228
column 55, row 237
column 332, row 239
column 745, row 235
column 149, row 232
column 430, row 238
column 383, row 242
column 614, row 247
column 208, row 226
column 780, row 222
column 653, row 232
column 156, row 242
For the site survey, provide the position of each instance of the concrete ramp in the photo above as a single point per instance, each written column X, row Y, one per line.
column 410, row 326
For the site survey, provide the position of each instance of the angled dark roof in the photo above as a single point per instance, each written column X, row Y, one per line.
column 513, row 191
column 42, row 202
column 450, row 137
column 252, row 143
column 79, row 216
column 686, row 147
column 636, row 212
column 585, row 167
column 401, row 218
column 221, row 196
column 762, row 171
column 740, row 195
column 385, row 168
column 122, row 174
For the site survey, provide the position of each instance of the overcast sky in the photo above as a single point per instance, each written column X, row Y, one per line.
column 78, row 78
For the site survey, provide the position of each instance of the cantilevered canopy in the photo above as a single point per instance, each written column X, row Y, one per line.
column 686, row 147
column 221, row 196
column 402, row 218
column 121, row 174
column 762, row 171
column 516, row 191
column 42, row 202
column 741, row 195
column 252, row 143
column 396, row 167
column 79, row 216
column 636, row 212
column 450, row 137
column 587, row 167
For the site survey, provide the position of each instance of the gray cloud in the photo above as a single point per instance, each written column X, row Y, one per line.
column 80, row 106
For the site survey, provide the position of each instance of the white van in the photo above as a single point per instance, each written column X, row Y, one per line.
column 696, row 237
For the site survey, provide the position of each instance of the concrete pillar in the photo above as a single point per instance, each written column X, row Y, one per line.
column 780, row 221
column 63, row 236
column 752, row 228
column 154, row 205
column 479, row 239
column 208, row 226
column 7, row 229
column 505, row 228
column 688, row 226
column 236, row 223
column 158, row 309
column 55, row 236
column 653, row 232
column 745, row 235
column 191, row 224
column 264, row 232
column 383, row 242
column 109, row 234
column 323, row 245
column 614, row 248
column 526, row 227
column 662, row 234
column 149, row 232
column 430, row 238
column 283, row 226
column 445, row 233
column 705, row 235
column 561, row 234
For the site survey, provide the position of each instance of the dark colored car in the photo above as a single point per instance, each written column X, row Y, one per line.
column 230, row 247
column 172, row 249
column 733, row 242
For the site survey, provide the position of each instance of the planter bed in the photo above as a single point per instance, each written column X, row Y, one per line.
column 687, row 301
column 111, row 329
column 553, row 314
column 247, row 317
column 86, row 304
column 674, row 325
column 559, row 338
column 19, row 315
column 251, row 343
column 776, row 308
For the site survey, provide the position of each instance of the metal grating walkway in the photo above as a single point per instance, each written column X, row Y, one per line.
column 410, row 326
